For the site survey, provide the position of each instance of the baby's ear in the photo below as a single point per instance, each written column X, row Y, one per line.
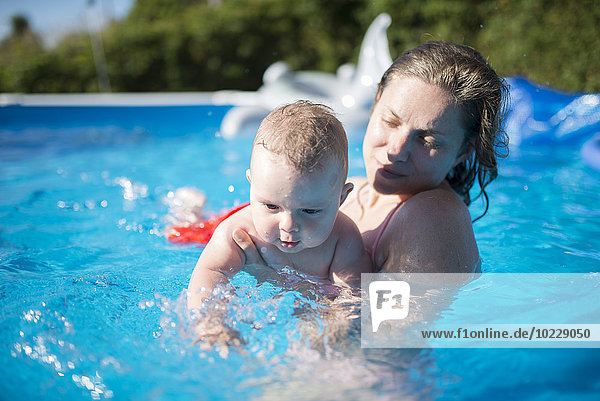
column 348, row 187
column 249, row 176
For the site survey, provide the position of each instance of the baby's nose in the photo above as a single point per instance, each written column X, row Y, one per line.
column 288, row 222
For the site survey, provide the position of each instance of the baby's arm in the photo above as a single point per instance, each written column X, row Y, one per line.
column 350, row 258
column 220, row 259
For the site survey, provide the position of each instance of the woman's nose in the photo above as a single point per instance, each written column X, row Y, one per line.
column 287, row 222
column 398, row 149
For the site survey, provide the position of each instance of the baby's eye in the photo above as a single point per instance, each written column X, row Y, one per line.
column 270, row 206
column 311, row 211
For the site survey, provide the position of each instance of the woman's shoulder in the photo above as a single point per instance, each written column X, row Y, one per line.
column 436, row 213
column 433, row 232
column 438, row 202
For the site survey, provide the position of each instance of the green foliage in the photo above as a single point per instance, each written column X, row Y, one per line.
column 205, row 45
column 20, row 25
column 552, row 42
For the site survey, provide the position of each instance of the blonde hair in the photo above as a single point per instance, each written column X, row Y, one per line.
column 481, row 95
column 306, row 134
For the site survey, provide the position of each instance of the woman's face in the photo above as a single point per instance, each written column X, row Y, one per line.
column 414, row 138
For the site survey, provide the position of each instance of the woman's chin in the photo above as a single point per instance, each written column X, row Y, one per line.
column 385, row 188
column 401, row 187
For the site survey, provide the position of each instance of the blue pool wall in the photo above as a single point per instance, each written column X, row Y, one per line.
column 160, row 120
column 537, row 115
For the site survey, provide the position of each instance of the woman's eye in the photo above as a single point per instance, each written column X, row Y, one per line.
column 390, row 123
column 430, row 142
column 310, row 211
column 271, row 206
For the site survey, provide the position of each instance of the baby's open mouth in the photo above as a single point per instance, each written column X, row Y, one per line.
column 289, row 244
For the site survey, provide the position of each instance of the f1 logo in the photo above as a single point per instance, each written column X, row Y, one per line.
column 389, row 301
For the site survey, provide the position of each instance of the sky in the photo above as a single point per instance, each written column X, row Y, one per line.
column 52, row 19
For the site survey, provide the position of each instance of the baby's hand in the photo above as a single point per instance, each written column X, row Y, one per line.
column 243, row 240
column 210, row 331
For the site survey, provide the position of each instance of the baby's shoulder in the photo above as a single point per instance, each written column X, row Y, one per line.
column 345, row 228
column 241, row 219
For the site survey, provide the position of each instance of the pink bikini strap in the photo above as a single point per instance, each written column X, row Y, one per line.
column 381, row 230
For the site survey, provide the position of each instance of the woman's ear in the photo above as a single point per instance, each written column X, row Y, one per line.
column 467, row 151
column 348, row 187
column 249, row 176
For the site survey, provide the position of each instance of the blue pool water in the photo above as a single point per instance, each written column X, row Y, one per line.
column 90, row 289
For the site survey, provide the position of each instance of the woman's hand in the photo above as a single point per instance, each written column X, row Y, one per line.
column 243, row 240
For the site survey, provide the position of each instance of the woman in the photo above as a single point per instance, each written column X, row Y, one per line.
column 435, row 128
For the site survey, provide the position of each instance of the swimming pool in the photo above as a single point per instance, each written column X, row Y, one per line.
column 90, row 287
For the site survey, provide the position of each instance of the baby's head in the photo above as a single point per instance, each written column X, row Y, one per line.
column 297, row 174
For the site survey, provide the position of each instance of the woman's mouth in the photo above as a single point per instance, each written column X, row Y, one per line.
column 388, row 172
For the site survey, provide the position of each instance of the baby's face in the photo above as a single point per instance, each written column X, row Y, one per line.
column 290, row 210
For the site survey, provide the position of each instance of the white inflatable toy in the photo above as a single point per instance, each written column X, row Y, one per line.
column 349, row 92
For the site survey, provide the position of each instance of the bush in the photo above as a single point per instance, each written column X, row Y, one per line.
column 181, row 45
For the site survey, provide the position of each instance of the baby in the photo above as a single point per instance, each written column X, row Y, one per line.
column 297, row 176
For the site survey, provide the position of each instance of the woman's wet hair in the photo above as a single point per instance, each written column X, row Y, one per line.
column 306, row 134
column 480, row 93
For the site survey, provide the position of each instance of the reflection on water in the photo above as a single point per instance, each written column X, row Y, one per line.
column 307, row 345
column 91, row 290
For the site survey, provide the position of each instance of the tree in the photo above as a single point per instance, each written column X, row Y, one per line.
column 206, row 45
